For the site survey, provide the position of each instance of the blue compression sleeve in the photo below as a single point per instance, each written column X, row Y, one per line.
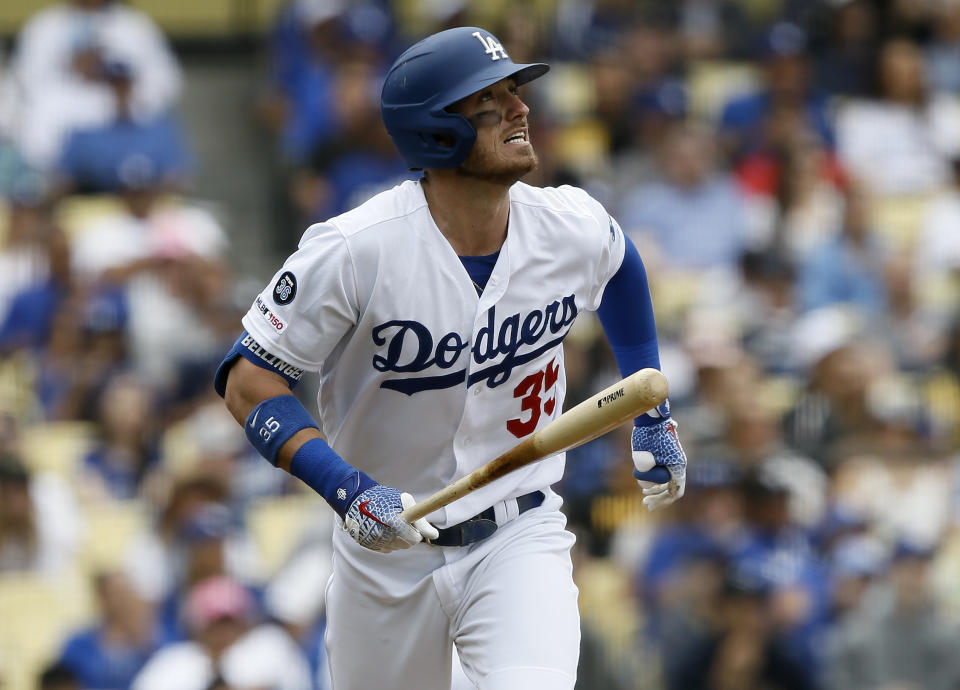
column 626, row 314
column 319, row 467
column 274, row 421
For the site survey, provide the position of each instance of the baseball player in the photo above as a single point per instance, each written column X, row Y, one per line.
column 435, row 314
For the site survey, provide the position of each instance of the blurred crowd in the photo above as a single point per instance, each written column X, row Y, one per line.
column 788, row 169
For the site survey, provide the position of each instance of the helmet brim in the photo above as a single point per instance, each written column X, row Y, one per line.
column 521, row 74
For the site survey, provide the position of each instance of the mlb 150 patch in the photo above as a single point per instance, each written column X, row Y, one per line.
column 285, row 289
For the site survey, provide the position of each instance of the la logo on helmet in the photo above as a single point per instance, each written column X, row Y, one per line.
column 491, row 47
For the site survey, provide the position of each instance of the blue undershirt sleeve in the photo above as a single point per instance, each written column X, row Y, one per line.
column 626, row 314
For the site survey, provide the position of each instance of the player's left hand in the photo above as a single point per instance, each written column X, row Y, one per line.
column 655, row 448
column 373, row 520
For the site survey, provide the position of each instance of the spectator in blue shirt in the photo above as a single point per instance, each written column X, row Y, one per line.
column 92, row 157
column 127, row 449
column 848, row 268
column 694, row 213
column 109, row 653
column 756, row 121
column 361, row 161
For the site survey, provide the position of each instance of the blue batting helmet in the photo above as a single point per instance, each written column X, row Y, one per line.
column 433, row 74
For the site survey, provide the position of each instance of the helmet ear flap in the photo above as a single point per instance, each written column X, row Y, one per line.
column 435, row 142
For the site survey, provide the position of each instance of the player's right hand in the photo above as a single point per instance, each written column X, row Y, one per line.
column 373, row 520
column 655, row 448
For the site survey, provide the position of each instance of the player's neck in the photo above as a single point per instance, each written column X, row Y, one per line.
column 472, row 215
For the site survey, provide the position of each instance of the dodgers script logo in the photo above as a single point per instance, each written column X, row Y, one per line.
column 515, row 333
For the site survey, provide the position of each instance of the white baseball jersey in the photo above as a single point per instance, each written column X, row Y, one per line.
column 422, row 380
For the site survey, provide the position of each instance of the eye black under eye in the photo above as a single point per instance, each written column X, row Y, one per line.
column 487, row 118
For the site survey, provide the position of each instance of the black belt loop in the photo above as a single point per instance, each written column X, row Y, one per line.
column 483, row 524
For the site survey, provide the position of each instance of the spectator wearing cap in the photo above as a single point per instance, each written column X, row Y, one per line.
column 85, row 348
column 57, row 72
column 834, row 414
column 168, row 259
column 361, row 161
column 153, row 559
column 227, row 647
column 897, row 637
column 901, row 139
column 309, row 41
column 787, row 98
column 702, row 532
column 753, row 441
column 211, row 542
column 783, row 556
column 767, row 309
column 308, row 44
column 735, row 642
column 653, row 111
column 93, row 158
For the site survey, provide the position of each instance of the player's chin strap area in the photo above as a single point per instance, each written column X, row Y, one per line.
column 483, row 524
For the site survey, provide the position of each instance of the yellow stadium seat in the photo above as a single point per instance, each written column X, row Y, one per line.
column 4, row 220
column 899, row 219
column 77, row 212
column 109, row 528
column 276, row 525
column 570, row 91
column 56, row 446
column 713, row 82
column 37, row 614
column 17, row 396
column 582, row 146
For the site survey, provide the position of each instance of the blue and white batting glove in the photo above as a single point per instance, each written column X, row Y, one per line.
column 373, row 520
column 656, row 448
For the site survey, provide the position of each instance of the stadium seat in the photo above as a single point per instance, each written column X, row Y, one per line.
column 56, row 446
column 899, row 219
column 713, row 82
column 109, row 528
column 36, row 615
column 276, row 525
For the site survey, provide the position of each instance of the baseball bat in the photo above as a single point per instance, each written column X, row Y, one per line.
column 595, row 416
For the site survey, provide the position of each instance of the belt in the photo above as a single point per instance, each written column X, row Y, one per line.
column 483, row 524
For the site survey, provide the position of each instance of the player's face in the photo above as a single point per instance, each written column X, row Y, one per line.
column 502, row 152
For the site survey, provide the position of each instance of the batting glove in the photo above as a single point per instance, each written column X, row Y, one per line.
column 373, row 520
column 656, row 447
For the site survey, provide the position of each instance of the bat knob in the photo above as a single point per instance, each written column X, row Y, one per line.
column 658, row 475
